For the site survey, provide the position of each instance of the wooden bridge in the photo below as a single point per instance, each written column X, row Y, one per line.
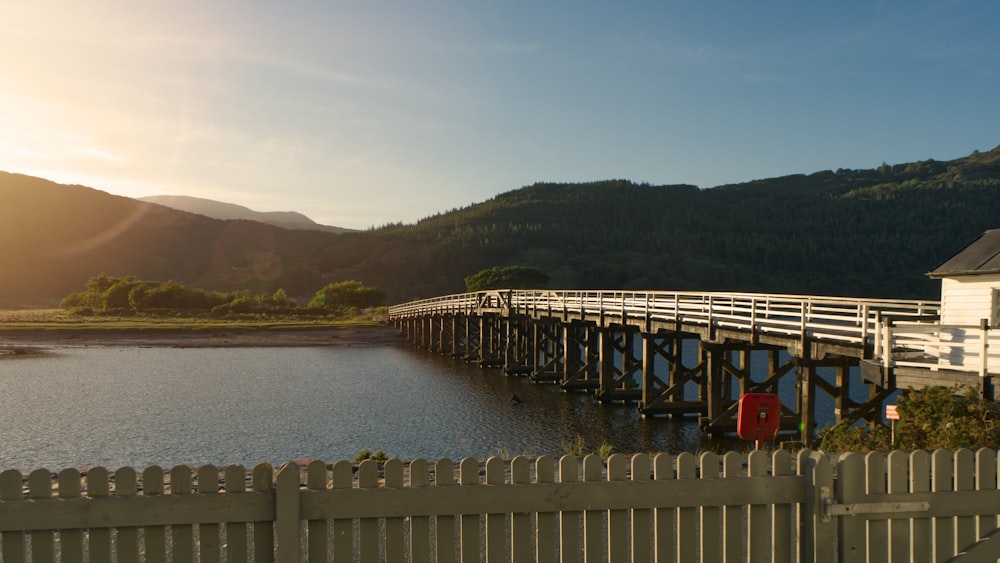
column 630, row 346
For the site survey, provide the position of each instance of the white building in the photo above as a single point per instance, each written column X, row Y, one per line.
column 970, row 304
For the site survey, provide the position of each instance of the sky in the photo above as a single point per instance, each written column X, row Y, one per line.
column 364, row 113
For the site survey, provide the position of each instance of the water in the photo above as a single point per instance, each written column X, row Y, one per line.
column 114, row 407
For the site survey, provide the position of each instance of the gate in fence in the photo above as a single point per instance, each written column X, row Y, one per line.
column 919, row 506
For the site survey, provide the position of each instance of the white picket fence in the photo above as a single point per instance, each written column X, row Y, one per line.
column 919, row 506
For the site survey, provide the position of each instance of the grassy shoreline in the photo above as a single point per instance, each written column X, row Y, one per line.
column 54, row 327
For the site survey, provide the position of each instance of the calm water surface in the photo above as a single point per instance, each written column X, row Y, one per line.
column 137, row 407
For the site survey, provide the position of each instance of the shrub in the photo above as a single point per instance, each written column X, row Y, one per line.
column 939, row 417
column 847, row 438
column 347, row 294
column 507, row 277
column 930, row 418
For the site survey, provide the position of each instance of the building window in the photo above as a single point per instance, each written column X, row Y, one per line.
column 995, row 309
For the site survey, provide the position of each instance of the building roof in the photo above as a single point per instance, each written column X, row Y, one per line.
column 982, row 256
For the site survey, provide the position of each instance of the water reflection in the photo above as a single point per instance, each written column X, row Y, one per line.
column 145, row 406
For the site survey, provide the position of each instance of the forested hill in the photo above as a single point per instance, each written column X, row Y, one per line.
column 847, row 232
column 863, row 233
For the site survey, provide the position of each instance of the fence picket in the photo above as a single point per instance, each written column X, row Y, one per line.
column 964, row 480
column 368, row 533
column 733, row 528
column 395, row 546
column 759, row 518
column 71, row 541
column 816, row 534
column 13, row 541
column 444, row 476
column 619, row 537
column 569, row 521
column 641, row 521
column 468, row 475
column 236, row 532
column 687, row 517
column 496, row 523
column 99, row 538
column 781, row 514
column 287, row 506
column 209, row 540
column 420, row 529
column 851, row 489
column 43, row 548
column 520, row 526
column 944, row 527
column 343, row 529
column 986, row 480
column 920, row 528
column 316, row 540
column 546, row 527
column 664, row 519
column 899, row 528
column 263, row 532
column 593, row 520
column 712, row 528
column 878, row 530
column 127, row 539
column 154, row 537
column 182, row 535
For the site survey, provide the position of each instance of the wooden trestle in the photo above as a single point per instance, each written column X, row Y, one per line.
column 648, row 362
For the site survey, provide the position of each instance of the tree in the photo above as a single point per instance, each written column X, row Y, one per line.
column 350, row 293
column 507, row 277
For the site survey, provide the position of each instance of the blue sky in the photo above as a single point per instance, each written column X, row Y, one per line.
column 361, row 113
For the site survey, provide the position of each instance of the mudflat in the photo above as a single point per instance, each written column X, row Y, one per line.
column 360, row 335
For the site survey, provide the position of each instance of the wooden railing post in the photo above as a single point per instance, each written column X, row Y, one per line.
column 984, row 347
column 887, row 343
column 877, row 349
column 286, row 513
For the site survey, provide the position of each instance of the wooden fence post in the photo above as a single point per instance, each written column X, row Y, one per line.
column 817, row 536
column 851, row 488
column 286, row 513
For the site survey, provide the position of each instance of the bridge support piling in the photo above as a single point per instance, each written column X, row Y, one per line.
column 587, row 341
column 665, row 394
column 580, row 357
column 618, row 365
column 548, row 352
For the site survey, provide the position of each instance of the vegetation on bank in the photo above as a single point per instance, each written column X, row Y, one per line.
column 931, row 418
column 126, row 296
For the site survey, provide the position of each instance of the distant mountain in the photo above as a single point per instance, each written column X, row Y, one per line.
column 230, row 211
column 855, row 233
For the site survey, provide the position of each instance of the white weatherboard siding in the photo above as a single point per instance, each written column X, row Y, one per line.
column 965, row 302
column 969, row 299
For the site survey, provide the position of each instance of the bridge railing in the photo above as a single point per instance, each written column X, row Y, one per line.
column 847, row 320
column 925, row 343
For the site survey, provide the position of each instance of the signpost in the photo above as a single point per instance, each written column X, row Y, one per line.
column 892, row 415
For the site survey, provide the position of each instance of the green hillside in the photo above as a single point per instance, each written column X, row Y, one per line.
column 849, row 232
column 871, row 233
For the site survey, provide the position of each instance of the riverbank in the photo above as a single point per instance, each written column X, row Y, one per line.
column 347, row 335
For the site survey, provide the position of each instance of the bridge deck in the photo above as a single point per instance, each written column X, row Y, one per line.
column 850, row 323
